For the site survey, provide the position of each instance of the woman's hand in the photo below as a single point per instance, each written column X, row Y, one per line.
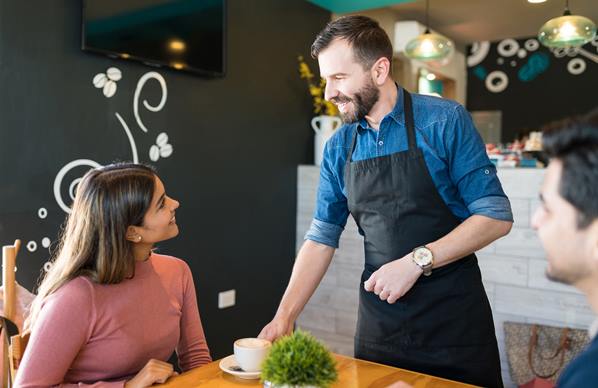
column 155, row 371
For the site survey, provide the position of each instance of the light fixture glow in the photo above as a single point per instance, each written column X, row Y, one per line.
column 178, row 65
column 431, row 76
column 567, row 30
column 177, row 45
column 429, row 46
column 536, row 1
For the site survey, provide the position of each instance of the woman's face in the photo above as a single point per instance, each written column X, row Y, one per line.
column 159, row 222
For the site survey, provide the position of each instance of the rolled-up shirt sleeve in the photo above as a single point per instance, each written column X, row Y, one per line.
column 471, row 170
column 331, row 212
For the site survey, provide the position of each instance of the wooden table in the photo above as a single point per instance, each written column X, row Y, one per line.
column 352, row 373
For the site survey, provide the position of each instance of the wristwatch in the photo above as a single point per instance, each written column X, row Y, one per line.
column 424, row 258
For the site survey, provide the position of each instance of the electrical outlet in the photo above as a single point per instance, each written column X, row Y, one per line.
column 226, row 299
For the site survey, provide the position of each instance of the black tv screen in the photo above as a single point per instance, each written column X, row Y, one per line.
column 182, row 34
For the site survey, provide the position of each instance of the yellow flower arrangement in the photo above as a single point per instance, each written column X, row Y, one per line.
column 316, row 90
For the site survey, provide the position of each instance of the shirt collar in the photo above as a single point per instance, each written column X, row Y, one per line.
column 396, row 114
column 593, row 330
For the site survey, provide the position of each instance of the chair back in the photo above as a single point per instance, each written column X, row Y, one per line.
column 9, row 258
column 16, row 350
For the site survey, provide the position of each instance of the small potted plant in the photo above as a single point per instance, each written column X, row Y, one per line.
column 298, row 361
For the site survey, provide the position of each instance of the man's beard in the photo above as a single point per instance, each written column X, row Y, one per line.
column 363, row 102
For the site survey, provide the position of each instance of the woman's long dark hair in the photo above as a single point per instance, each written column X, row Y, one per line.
column 93, row 243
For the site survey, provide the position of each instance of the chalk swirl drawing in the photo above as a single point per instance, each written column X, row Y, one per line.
column 479, row 51
column 497, row 81
column 162, row 149
column 577, row 65
column 62, row 173
column 31, row 246
column 507, row 47
column 42, row 212
column 100, row 80
column 531, row 45
column 140, row 84
column 537, row 63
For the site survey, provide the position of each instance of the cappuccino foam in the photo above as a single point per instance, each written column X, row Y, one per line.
column 252, row 343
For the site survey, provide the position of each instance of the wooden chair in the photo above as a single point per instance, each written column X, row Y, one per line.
column 7, row 327
column 16, row 350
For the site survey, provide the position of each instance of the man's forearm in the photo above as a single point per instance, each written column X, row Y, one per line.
column 473, row 234
column 310, row 266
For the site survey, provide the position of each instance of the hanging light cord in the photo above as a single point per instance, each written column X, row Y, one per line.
column 567, row 12
column 428, row 15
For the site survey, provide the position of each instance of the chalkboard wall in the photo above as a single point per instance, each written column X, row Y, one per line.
column 530, row 84
column 236, row 142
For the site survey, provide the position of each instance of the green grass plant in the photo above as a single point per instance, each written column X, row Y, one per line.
column 299, row 360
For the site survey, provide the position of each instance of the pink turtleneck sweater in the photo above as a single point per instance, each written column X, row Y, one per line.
column 102, row 335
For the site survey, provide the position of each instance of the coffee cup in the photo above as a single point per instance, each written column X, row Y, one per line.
column 251, row 352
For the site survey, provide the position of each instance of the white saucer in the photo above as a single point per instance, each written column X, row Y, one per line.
column 227, row 362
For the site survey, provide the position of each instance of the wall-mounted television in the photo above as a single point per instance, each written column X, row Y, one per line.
column 187, row 35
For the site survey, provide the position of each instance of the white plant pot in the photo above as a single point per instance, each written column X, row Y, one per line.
column 324, row 126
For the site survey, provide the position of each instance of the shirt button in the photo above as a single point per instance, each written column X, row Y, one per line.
column 487, row 172
column 380, row 142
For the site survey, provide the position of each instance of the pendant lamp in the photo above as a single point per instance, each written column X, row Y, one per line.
column 429, row 46
column 567, row 30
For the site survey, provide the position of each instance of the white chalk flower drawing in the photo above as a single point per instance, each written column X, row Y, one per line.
column 101, row 80
column 107, row 81
column 161, row 149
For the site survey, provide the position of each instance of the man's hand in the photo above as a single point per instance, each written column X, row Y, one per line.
column 394, row 279
column 155, row 371
column 277, row 328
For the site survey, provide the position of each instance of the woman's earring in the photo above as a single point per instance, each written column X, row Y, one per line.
column 138, row 238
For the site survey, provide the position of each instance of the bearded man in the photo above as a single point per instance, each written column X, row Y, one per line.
column 413, row 172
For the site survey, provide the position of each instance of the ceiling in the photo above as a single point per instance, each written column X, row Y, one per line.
column 344, row 6
column 468, row 21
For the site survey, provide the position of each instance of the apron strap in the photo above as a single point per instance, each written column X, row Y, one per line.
column 408, row 110
column 352, row 148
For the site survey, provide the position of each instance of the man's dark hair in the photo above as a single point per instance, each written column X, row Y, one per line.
column 575, row 143
column 368, row 40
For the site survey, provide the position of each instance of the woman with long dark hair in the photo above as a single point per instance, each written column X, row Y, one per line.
column 110, row 311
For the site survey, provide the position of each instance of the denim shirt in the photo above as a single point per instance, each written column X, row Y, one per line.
column 453, row 151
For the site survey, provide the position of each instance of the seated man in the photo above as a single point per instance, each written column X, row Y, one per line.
column 567, row 224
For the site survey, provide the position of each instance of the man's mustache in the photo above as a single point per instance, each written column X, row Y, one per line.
column 340, row 100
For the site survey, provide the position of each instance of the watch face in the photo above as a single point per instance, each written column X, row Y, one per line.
column 422, row 256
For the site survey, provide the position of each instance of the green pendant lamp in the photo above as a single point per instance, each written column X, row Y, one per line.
column 429, row 46
column 567, row 30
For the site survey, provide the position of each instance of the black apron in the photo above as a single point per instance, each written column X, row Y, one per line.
column 442, row 326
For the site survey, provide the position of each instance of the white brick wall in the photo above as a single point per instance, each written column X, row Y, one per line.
column 512, row 269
